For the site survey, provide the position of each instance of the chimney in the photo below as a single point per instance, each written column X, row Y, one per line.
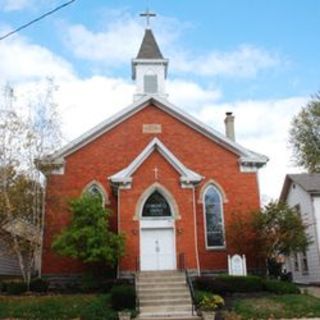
column 229, row 123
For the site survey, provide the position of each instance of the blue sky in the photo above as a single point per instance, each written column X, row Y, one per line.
column 257, row 58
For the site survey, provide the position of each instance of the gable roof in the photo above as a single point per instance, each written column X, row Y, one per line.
column 310, row 182
column 149, row 48
column 125, row 176
column 246, row 157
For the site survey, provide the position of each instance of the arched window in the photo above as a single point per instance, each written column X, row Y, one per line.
column 213, row 218
column 95, row 190
column 156, row 206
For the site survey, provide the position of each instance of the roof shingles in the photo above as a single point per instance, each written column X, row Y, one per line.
column 149, row 48
column 309, row 182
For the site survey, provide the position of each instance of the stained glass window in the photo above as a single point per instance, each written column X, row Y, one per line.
column 214, row 218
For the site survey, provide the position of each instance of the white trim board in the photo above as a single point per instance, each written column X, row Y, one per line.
column 125, row 176
column 246, row 156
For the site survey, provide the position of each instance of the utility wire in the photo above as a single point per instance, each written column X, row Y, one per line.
column 37, row 19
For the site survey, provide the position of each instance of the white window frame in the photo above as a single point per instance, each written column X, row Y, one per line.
column 104, row 195
column 296, row 265
column 304, row 258
column 205, row 218
column 171, row 217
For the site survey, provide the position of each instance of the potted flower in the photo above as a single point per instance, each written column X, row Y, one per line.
column 209, row 303
column 124, row 314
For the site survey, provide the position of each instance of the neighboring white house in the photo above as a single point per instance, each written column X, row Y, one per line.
column 8, row 263
column 302, row 191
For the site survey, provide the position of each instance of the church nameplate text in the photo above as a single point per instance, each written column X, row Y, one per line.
column 152, row 128
column 156, row 206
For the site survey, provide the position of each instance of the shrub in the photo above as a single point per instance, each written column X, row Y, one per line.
column 211, row 302
column 39, row 285
column 280, row 287
column 3, row 287
column 98, row 310
column 123, row 297
column 16, row 287
column 91, row 283
column 229, row 284
column 199, row 296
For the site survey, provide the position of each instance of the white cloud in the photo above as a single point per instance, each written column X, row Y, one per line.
column 23, row 61
column 245, row 61
column 15, row 5
column 190, row 94
column 115, row 46
column 84, row 103
column 120, row 40
column 262, row 126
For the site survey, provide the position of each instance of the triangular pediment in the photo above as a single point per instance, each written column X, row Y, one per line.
column 247, row 158
column 187, row 176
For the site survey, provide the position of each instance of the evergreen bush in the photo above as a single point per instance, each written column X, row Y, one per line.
column 3, row 287
column 229, row 284
column 280, row 287
column 123, row 297
column 15, row 288
column 39, row 285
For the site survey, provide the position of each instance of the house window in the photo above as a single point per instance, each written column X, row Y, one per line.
column 304, row 263
column 296, row 262
column 150, row 84
column 156, row 206
column 298, row 209
column 214, row 226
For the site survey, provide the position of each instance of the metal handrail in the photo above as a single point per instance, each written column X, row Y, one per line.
column 190, row 285
column 136, row 288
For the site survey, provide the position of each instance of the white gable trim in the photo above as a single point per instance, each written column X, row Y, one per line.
column 187, row 176
column 247, row 157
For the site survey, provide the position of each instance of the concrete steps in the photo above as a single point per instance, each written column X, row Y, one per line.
column 164, row 295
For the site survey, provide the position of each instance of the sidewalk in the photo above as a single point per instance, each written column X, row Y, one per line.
column 314, row 291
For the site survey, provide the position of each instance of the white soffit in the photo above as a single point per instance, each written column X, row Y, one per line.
column 163, row 104
column 125, row 175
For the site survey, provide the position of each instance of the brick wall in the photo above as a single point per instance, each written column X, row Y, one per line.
column 113, row 151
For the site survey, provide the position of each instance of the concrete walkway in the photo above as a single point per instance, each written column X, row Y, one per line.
column 314, row 291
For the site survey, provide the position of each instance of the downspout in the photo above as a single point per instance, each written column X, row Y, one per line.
column 195, row 228
column 118, row 225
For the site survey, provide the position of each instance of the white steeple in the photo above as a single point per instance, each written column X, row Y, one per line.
column 149, row 68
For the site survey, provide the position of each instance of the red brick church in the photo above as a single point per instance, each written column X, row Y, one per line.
column 172, row 182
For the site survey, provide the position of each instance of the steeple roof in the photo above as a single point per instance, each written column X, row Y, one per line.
column 149, row 48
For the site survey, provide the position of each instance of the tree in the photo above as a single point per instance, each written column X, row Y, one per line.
column 88, row 237
column 304, row 136
column 28, row 130
column 279, row 231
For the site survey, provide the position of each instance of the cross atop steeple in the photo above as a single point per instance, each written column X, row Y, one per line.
column 148, row 15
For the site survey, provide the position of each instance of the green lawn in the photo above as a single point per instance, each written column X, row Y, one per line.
column 278, row 306
column 57, row 307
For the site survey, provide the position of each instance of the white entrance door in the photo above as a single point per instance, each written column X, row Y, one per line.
column 157, row 249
